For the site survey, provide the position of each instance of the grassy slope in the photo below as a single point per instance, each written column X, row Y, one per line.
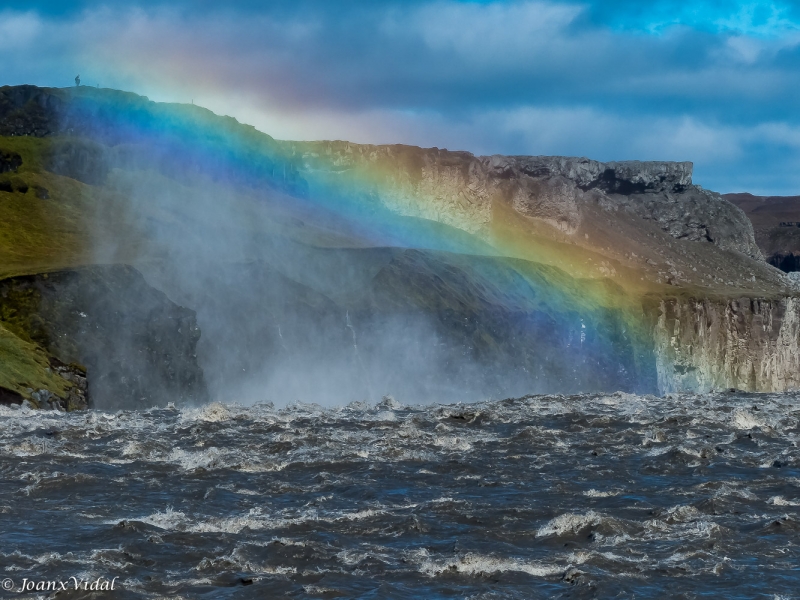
column 25, row 367
column 36, row 235
column 39, row 234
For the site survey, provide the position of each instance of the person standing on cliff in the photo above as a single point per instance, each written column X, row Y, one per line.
column 77, row 81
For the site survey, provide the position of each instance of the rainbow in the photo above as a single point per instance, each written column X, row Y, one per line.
column 603, row 325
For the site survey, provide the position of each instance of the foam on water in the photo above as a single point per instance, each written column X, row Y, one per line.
column 619, row 493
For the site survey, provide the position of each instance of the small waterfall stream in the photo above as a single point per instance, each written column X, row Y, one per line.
column 364, row 372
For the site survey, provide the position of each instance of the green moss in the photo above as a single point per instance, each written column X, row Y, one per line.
column 25, row 366
column 18, row 314
column 47, row 218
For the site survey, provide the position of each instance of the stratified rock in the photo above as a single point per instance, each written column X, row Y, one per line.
column 462, row 190
column 750, row 344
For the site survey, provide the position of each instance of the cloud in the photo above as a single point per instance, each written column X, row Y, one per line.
column 18, row 29
column 713, row 82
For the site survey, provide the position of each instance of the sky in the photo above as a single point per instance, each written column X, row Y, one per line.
column 714, row 82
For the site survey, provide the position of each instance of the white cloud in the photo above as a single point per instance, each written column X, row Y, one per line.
column 495, row 31
column 519, row 77
column 18, row 29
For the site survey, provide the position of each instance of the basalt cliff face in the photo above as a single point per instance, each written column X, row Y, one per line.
column 746, row 343
column 322, row 267
column 776, row 221
column 724, row 318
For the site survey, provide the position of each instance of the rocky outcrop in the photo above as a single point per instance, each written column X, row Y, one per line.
column 461, row 190
column 137, row 346
column 627, row 177
column 74, row 397
column 10, row 162
column 693, row 214
column 748, row 343
column 28, row 110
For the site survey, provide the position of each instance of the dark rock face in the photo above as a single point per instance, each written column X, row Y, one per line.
column 786, row 262
column 28, row 110
column 515, row 344
column 10, row 162
column 8, row 397
column 79, row 159
column 693, row 214
column 78, row 398
column 138, row 347
column 655, row 191
column 418, row 324
column 626, row 177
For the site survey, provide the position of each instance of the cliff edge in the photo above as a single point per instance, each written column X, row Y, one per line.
column 380, row 265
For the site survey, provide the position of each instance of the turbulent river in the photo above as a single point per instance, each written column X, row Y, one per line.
column 547, row 496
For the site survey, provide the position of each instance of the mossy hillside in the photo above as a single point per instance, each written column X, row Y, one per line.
column 45, row 227
column 59, row 220
column 24, row 337
column 40, row 233
column 25, row 367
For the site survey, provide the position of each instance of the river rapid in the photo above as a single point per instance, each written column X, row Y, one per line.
column 591, row 496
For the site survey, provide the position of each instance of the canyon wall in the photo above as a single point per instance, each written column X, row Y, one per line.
column 741, row 327
column 530, row 271
column 747, row 343
column 106, row 327
column 461, row 190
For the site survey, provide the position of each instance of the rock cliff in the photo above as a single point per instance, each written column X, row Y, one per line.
column 556, row 190
column 296, row 257
column 746, row 343
column 134, row 347
column 776, row 221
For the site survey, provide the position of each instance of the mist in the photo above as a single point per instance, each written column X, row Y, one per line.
column 306, row 287
column 281, row 320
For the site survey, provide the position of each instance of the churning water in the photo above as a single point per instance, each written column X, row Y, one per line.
column 549, row 496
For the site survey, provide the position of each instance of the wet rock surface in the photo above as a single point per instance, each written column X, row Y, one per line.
column 748, row 343
column 421, row 324
column 137, row 346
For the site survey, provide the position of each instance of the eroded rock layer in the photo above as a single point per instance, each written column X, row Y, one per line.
column 746, row 343
column 460, row 189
